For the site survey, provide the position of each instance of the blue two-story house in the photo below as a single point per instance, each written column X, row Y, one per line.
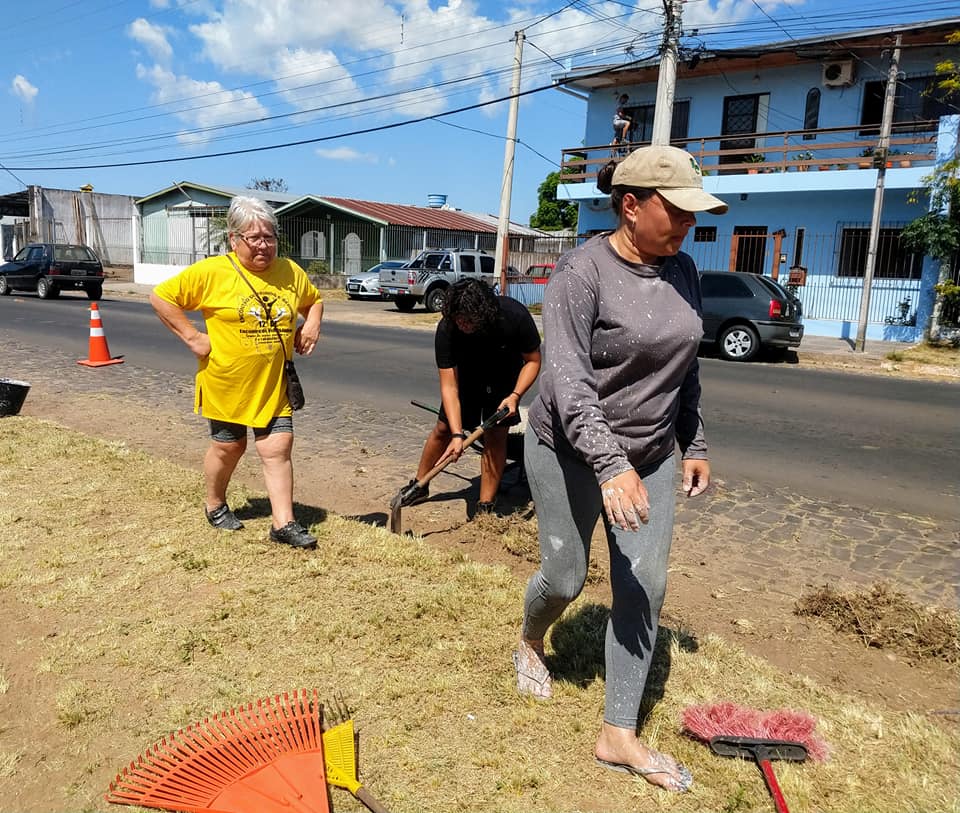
column 785, row 134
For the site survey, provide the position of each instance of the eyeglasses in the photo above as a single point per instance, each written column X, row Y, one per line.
column 258, row 239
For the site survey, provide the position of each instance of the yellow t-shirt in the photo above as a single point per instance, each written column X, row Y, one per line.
column 242, row 379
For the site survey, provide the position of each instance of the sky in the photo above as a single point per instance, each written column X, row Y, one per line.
column 386, row 100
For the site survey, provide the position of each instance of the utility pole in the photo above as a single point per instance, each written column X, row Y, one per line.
column 667, row 78
column 880, row 158
column 506, row 187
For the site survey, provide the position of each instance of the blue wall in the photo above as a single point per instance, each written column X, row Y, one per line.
column 787, row 86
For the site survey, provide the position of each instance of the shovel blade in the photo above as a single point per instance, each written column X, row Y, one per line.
column 396, row 506
column 758, row 749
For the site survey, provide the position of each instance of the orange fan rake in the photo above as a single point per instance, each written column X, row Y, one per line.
column 263, row 758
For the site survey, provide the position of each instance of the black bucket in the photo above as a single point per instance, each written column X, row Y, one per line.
column 12, row 395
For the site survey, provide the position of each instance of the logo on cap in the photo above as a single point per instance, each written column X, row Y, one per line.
column 695, row 165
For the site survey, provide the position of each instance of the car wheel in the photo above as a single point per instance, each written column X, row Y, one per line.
column 405, row 303
column 435, row 299
column 739, row 343
column 95, row 293
column 45, row 288
column 4, row 286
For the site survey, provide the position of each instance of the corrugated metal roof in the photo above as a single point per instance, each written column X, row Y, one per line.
column 399, row 214
column 275, row 198
column 590, row 76
column 515, row 228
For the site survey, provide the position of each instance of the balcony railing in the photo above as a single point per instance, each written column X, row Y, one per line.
column 784, row 151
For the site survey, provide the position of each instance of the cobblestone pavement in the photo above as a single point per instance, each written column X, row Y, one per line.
column 749, row 534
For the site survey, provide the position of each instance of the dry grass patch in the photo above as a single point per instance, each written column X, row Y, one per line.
column 886, row 618
column 133, row 618
column 517, row 535
column 934, row 358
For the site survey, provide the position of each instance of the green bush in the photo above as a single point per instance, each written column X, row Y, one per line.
column 317, row 267
column 950, row 307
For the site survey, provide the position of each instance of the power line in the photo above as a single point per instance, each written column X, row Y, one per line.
column 300, row 142
column 431, row 60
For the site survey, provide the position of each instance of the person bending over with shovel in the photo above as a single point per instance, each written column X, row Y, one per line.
column 488, row 355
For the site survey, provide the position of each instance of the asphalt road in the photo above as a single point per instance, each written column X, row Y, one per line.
column 864, row 440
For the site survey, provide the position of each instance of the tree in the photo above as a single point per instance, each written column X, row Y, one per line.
column 937, row 232
column 553, row 214
column 268, row 184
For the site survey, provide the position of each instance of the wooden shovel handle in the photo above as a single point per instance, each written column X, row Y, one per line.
column 369, row 801
column 493, row 420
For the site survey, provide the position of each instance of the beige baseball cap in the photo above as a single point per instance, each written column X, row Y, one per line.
column 674, row 173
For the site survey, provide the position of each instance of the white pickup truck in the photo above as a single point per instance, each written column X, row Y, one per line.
column 427, row 277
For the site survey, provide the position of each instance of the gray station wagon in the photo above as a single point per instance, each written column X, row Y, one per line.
column 743, row 313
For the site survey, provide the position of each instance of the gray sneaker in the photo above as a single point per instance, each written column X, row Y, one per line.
column 223, row 518
column 294, row 535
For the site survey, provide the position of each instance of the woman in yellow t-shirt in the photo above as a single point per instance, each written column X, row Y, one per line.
column 246, row 298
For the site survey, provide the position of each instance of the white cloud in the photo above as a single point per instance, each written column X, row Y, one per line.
column 381, row 61
column 152, row 37
column 267, row 30
column 23, row 90
column 200, row 104
column 312, row 79
column 347, row 154
column 194, row 7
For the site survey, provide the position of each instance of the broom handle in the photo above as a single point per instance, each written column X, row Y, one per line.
column 370, row 801
column 772, row 785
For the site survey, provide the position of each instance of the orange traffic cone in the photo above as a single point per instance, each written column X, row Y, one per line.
column 99, row 352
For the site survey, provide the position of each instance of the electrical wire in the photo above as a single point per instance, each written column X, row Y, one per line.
column 72, row 128
column 395, row 95
column 300, row 142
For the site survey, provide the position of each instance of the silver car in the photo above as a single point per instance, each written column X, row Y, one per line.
column 367, row 284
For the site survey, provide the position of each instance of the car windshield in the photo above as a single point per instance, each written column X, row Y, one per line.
column 73, row 254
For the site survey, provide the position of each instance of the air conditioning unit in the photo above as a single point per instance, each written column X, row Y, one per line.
column 839, row 74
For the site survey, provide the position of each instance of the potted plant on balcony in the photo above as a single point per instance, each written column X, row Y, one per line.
column 756, row 158
column 890, row 159
column 902, row 160
column 804, row 156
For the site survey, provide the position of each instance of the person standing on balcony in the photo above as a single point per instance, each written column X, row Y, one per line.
column 622, row 120
column 620, row 390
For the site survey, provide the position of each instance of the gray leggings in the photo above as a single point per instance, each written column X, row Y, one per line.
column 568, row 503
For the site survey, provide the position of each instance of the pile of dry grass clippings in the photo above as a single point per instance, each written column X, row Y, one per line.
column 887, row 619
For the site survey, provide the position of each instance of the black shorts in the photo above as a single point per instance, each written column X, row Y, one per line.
column 476, row 407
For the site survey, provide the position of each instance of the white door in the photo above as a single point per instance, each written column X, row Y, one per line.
column 351, row 254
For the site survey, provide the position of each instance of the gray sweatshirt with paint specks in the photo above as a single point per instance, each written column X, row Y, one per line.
column 620, row 382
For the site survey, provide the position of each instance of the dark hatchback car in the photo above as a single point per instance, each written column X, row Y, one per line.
column 49, row 268
column 743, row 313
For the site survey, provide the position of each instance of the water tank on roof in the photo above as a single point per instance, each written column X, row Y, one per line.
column 436, row 201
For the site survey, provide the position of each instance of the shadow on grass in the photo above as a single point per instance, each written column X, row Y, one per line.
column 578, row 658
column 259, row 507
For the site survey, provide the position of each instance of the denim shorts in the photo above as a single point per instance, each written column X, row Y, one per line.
column 226, row 432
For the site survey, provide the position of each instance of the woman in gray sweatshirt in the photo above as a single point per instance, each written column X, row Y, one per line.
column 619, row 390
